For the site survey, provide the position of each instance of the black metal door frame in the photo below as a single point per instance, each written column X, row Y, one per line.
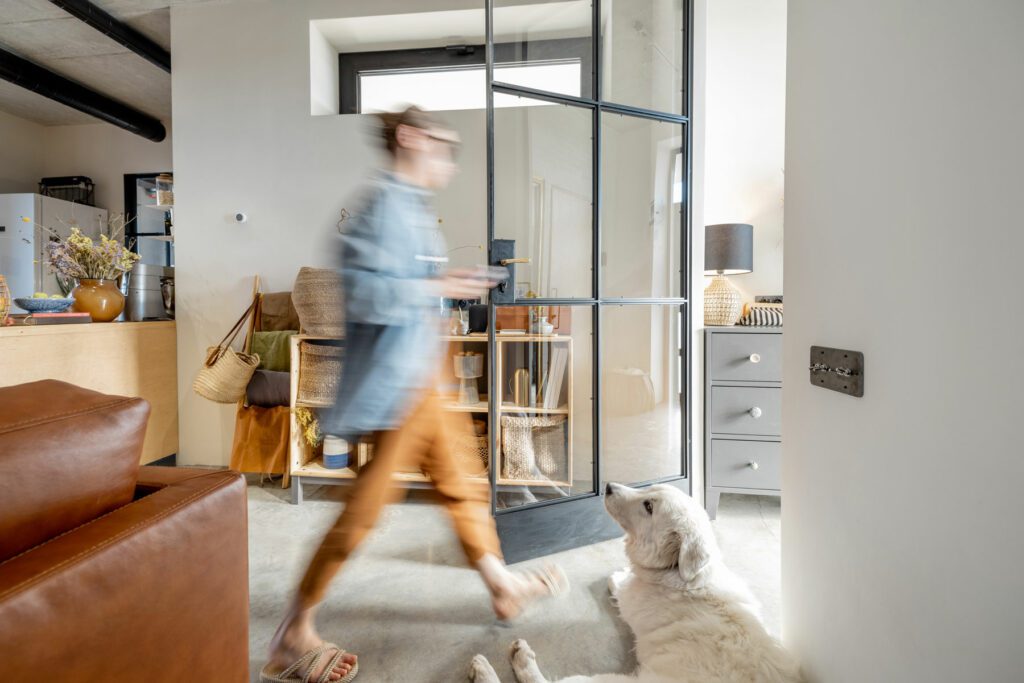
column 559, row 524
column 131, row 228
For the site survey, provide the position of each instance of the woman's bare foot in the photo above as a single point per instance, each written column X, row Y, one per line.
column 295, row 637
column 511, row 592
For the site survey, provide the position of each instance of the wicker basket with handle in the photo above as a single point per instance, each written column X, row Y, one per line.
column 226, row 373
column 319, row 372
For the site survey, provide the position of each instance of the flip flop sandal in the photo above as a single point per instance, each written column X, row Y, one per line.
column 551, row 576
column 307, row 663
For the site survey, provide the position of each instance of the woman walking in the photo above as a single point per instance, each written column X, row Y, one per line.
column 392, row 257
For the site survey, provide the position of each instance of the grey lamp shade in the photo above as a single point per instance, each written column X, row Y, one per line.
column 728, row 248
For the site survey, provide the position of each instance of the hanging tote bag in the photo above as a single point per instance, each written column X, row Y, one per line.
column 226, row 373
column 260, row 444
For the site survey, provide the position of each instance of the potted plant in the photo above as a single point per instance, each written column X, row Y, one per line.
column 96, row 266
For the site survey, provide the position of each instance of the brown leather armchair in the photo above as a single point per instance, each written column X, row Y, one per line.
column 110, row 571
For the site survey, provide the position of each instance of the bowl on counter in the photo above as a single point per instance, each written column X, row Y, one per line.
column 41, row 305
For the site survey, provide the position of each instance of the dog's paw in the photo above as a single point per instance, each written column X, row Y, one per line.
column 481, row 671
column 522, row 655
column 616, row 580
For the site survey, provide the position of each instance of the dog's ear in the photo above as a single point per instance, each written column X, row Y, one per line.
column 693, row 557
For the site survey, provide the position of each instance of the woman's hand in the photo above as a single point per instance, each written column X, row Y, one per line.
column 463, row 283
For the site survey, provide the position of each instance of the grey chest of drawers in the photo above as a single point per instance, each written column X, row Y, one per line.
column 742, row 412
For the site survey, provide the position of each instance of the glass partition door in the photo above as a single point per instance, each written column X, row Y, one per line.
column 588, row 209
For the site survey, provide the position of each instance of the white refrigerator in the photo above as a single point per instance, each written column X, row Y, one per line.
column 23, row 242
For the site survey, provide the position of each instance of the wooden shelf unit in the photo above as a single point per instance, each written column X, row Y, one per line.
column 506, row 408
column 304, row 462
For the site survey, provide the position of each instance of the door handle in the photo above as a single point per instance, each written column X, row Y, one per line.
column 506, row 261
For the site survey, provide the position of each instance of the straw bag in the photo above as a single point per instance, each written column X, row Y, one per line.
column 226, row 373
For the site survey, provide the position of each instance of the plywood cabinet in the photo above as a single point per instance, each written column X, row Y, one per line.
column 124, row 359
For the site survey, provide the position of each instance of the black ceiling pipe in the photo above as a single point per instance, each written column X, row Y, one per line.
column 75, row 95
column 117, row 30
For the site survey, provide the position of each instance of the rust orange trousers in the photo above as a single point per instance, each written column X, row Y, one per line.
column 426, row 441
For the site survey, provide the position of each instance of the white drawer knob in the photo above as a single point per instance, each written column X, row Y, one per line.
column 755, row 412
column 753, row 465
column 755, row 358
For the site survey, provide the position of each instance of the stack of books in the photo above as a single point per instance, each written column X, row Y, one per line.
column 552, row 384
column 48, row 318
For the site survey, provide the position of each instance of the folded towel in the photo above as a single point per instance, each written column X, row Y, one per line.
column 268, row 388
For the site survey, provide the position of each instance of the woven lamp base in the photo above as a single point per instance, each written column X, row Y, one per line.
column 722, row 302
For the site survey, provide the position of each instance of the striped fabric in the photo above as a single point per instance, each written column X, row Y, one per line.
column 766, row 315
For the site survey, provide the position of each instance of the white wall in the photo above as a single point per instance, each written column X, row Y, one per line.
column 902, row 550
column 100, row 151
column 746, row 109
column 104, row 153
column 21, row 154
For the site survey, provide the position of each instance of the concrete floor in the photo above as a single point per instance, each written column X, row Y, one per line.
column 413, row 612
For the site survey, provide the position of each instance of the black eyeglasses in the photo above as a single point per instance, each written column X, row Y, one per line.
column 453, row 146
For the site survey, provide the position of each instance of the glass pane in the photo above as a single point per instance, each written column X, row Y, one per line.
column 554, row 33
column 543, row 188
column 544, row 394
column 640, row 214
column 641, row 408
column 453, row 89
column 642, row 53
column 153, row 251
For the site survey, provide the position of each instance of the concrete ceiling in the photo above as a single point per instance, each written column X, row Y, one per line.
column 43, row 33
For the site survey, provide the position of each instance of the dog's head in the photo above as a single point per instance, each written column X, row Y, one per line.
column 665, row 529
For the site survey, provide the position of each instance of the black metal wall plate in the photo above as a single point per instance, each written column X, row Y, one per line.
column 840, row 370
column 505, row 292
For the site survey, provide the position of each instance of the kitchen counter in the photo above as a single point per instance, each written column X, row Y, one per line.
column 122, row 358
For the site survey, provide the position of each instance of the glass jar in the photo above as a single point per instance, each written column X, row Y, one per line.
column 165, row 189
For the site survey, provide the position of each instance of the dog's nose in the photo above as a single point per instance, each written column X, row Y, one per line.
column 608, row 490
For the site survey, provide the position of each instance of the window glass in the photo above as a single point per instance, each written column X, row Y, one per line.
column 447, row 89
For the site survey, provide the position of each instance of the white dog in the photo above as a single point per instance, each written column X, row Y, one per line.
column 694, row 620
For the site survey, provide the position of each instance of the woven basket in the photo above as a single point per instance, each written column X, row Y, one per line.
column 5, row 300
column 225, row 379
column 225, row 373
column 319, row 372
column 534, row 447
column 317, row 297
column 472, row 452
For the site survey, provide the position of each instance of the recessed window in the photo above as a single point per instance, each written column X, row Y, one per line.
column 461, row 88
column 454, row 77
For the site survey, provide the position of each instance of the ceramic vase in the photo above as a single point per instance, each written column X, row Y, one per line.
column 542, row 326
column 101, row 299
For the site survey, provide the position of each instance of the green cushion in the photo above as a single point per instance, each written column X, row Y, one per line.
column 272, row 348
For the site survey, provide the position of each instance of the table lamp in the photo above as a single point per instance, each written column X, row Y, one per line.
column 728, row 250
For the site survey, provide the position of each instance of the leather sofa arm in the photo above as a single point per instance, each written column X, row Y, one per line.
column 156, row 590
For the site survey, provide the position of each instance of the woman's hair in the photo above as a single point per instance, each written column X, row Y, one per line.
column 412, row 116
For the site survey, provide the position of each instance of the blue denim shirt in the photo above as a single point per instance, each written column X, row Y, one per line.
column 390, row 247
